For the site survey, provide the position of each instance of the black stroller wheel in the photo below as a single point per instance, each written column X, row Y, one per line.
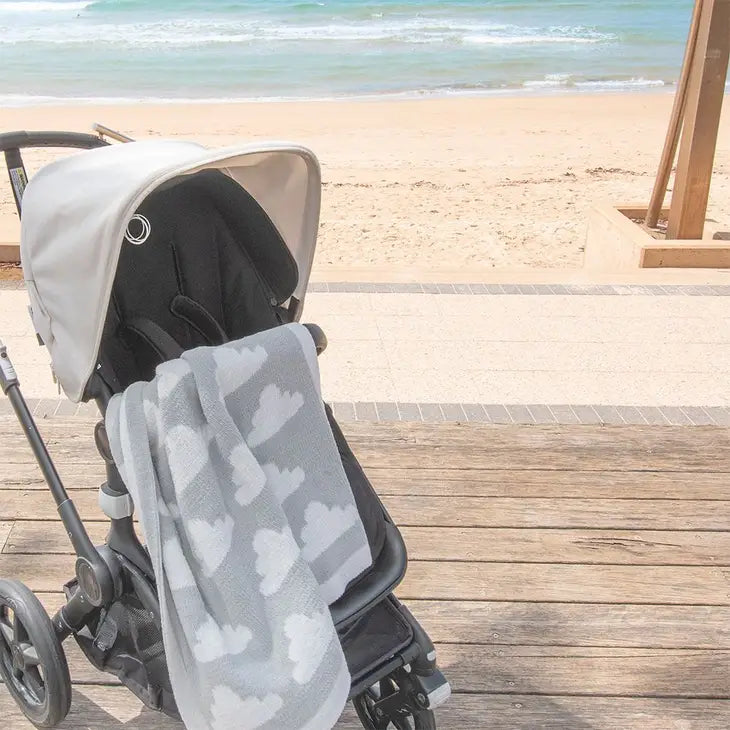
column 374, row 719
column 32, row 661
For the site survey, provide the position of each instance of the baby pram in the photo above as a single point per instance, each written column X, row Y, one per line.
column 133, row 254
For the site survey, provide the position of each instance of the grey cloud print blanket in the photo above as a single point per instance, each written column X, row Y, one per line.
column 251, row 526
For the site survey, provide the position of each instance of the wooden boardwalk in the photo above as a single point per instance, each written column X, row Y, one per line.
column 572, row 576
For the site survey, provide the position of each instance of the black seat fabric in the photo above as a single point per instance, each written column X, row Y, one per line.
column 213, row 268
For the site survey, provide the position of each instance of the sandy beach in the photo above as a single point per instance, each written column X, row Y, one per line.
column 494, row 182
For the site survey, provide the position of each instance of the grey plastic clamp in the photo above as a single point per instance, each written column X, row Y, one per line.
column 116, row 508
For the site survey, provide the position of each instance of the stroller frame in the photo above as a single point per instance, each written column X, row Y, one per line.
column 399, row 690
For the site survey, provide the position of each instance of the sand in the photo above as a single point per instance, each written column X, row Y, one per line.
column 441, row 183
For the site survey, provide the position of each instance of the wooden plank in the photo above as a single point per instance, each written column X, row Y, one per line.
column 701, row 123
column 571, row 624
column 5, row 528
column 74, row 476
column 587, row 670
column 48, row 537
column 616, row 547
column 575, row 624
column 546, row 483
column 551, row 670
column 115, row 708
column 487, row 581
column 549, row 483
column 625, row 514
column 478, row 544
column 675, row 122
column 481, row 446
column 565, row 583
column 600, row 448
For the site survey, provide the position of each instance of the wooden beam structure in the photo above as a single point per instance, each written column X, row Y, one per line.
column 675, row 124
column 706, row 89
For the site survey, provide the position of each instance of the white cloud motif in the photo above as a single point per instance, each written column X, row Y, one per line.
column 247, row 474
column 169, row 375
column 214, row 642
column 309, row 639
column 187, row 452
column 230, row 711
column 277, row 552
column 176, row 566
column 275, row 409
column 323, row 526
column 211, row 543
column 234, row 367
column 284, row 482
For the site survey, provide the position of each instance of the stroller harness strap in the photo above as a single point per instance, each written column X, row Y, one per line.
column 252, row 529
column 160, row 341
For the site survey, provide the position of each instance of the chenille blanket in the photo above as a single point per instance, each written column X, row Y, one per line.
column 251, row 526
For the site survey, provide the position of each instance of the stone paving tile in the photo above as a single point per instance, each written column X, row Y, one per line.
column 697, row 415
column 44, row 408
column 88, row 409
column 653, row 415
column 411, row 288
column 344, row 411
column 520, row 414
column 675, row 416
column 409, row 412
column 452, row 411
column 387, row 411
column 609, row 415
column 541, row 413
column 365, row 412
column 498, row 413
column 631, row 414
column 586, row 414
column 431, row 412
column 564, row 414
column 721, row 416
column 66, row 408
column 475, row 412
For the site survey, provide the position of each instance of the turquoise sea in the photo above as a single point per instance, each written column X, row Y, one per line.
column 263, row 49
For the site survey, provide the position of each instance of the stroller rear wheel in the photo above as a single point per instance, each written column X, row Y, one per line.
column 380, row 707
column 32, row 661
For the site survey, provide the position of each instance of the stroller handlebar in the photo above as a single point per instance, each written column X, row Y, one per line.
column 21, row 140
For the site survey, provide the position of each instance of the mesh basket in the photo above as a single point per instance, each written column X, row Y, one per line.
column 125, row 640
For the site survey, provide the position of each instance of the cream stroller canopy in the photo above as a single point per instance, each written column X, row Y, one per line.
column 78, row 211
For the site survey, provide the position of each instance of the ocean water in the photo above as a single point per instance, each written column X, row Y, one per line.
column 264, row 49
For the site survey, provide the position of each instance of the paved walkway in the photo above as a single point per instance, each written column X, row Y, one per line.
column 502, row 353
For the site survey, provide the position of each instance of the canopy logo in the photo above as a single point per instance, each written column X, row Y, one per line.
column 138, row 229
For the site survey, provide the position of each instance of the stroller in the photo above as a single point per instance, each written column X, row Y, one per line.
column 134, row 253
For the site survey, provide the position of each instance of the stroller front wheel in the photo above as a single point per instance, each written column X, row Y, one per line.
column 32, row 661
column 377, row 713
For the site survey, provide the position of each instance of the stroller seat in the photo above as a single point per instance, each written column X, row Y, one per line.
column 211, row 268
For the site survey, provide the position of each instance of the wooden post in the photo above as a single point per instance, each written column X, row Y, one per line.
column 701, row 123
column 675, row 123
